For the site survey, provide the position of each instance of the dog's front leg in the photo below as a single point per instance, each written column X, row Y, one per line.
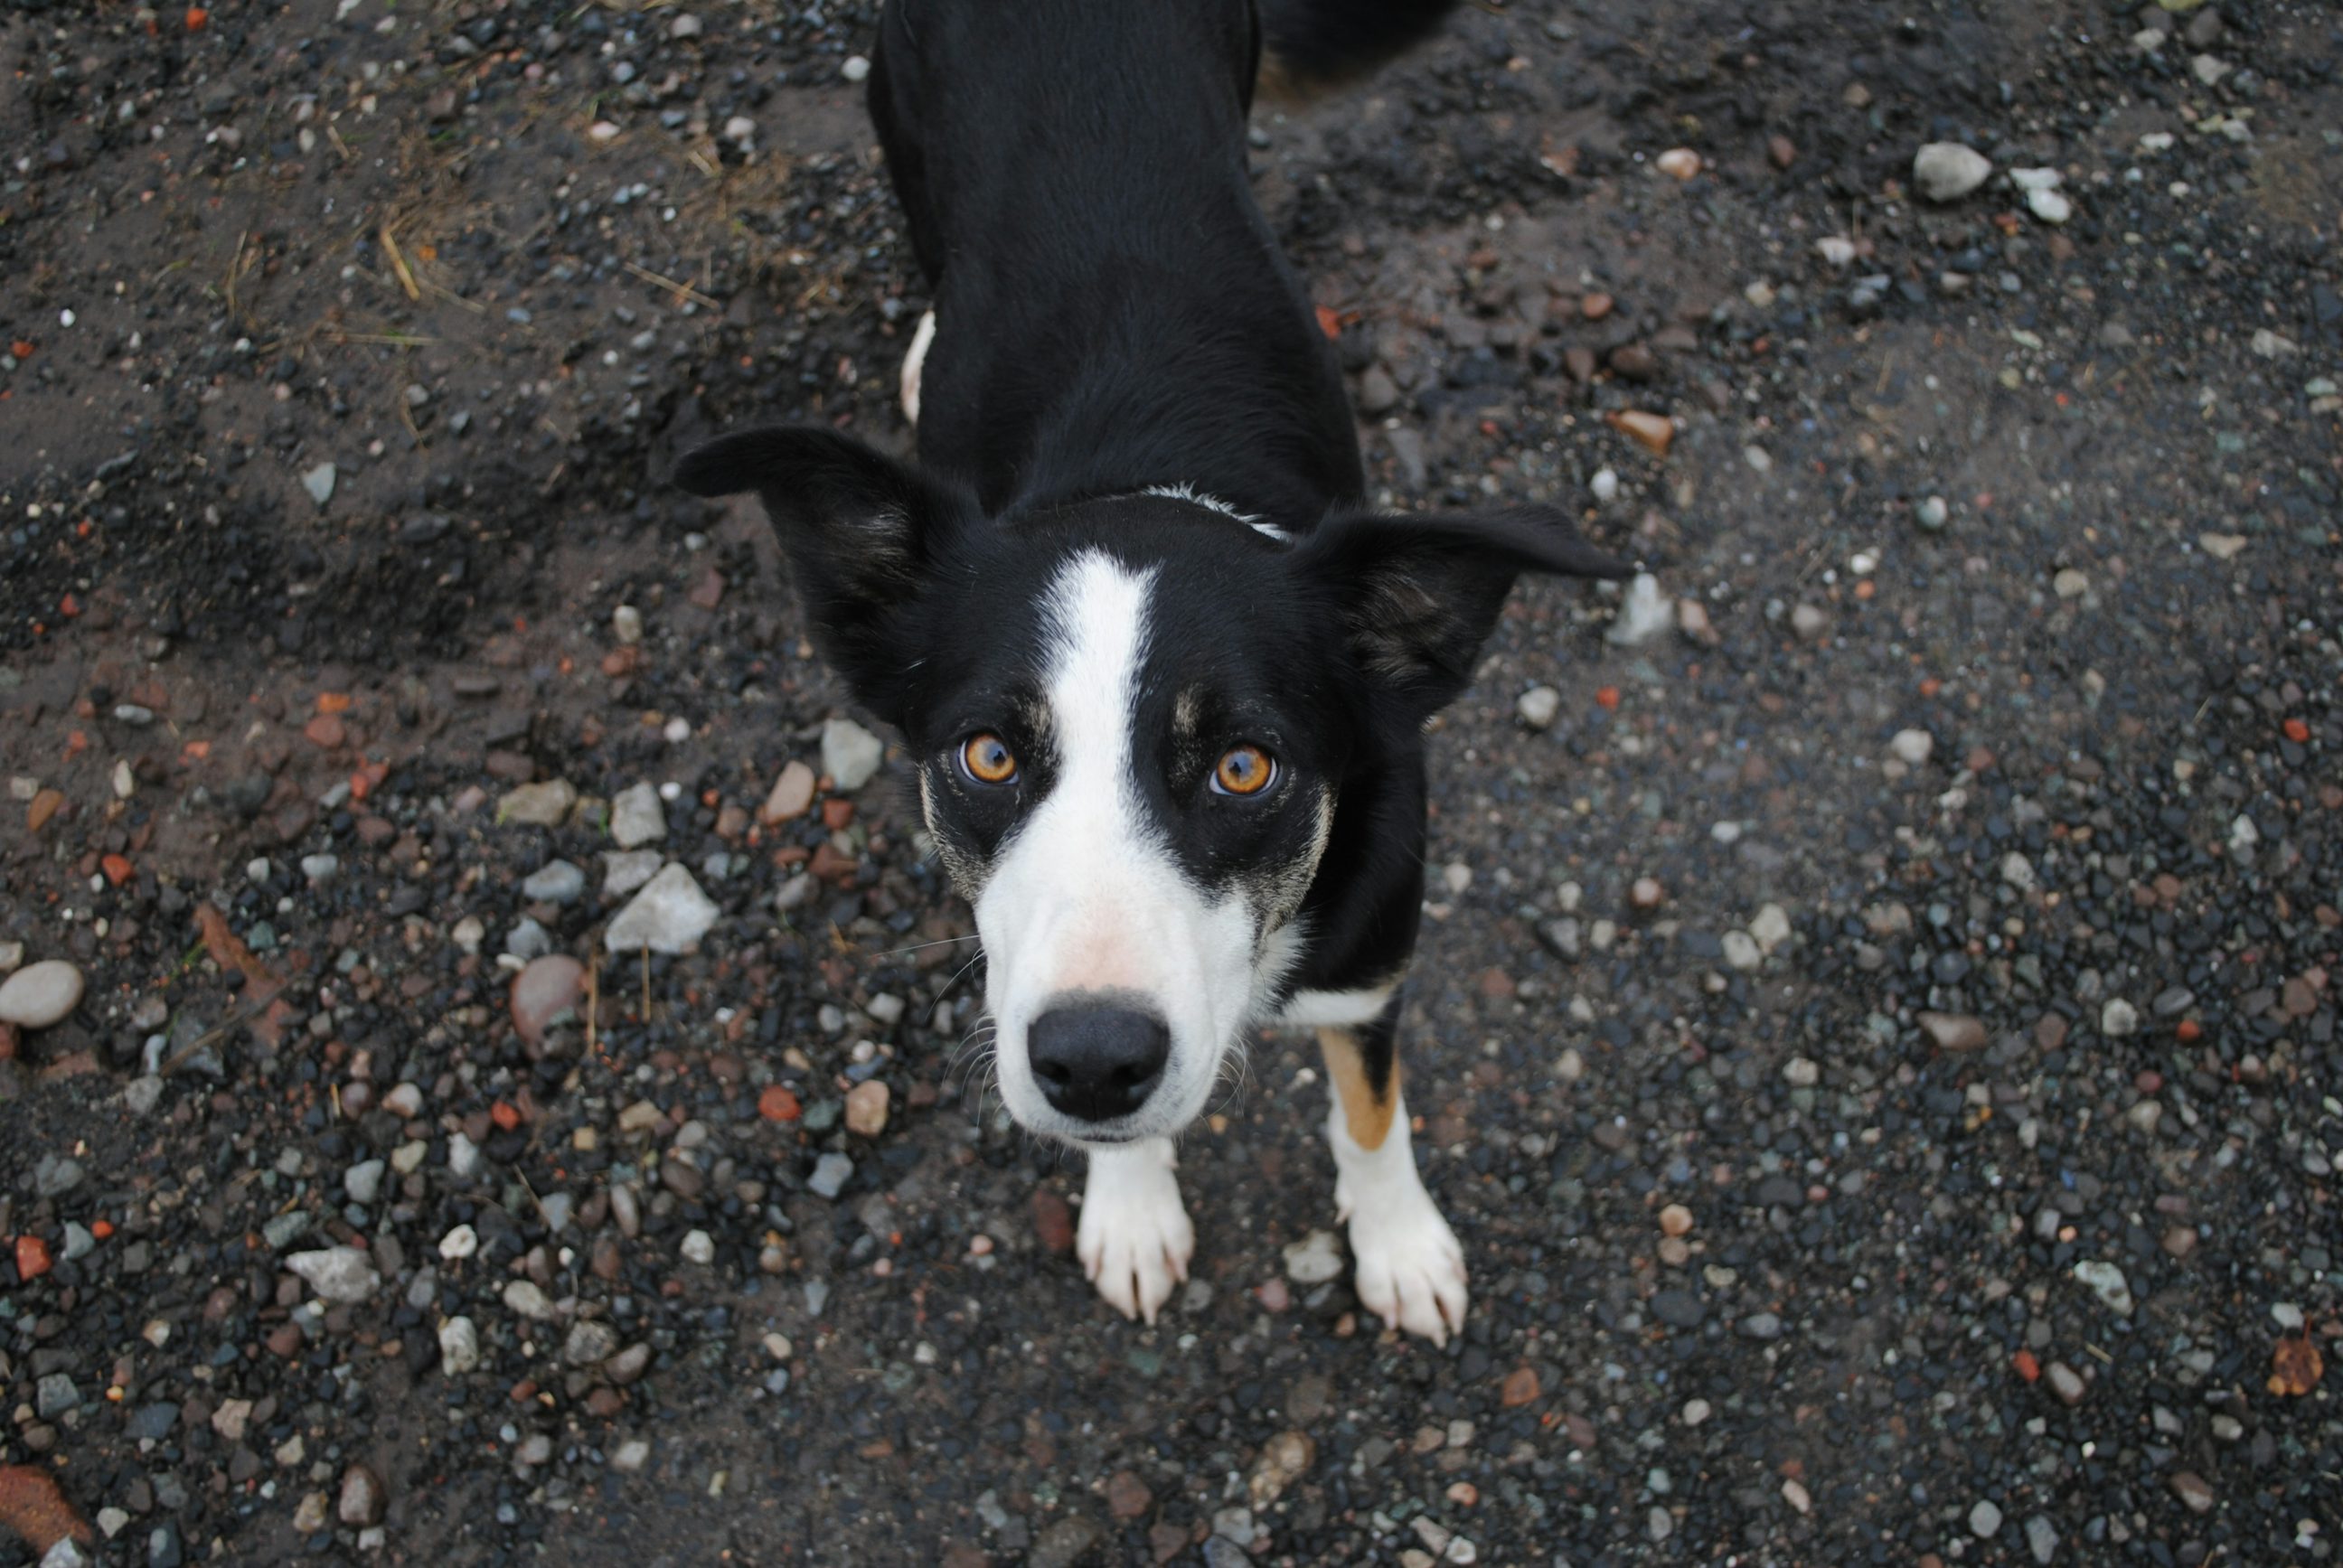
column 1411, row 1268
column 1134, row 1239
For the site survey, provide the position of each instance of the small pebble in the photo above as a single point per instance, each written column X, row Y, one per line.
column 851, row 754
column 40, row 994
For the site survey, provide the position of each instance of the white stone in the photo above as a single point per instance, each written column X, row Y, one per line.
column 2107, row 1282
column 1740, row 950
column 636, row 817
column 524, row 1298
column 459, row 1346
column 1538, row 707
column 41, row 994
column 669, row 916
column 851, row 754
column 1913, row 746
column 2118, row 1018
column 1643, row 614
column 337, row 1273
column 319, row 482
column 1771, row 927
column 2051, row 207
column 1315, row 1260
column 698, row 1247
column 460, row 1243
column 1947, row 171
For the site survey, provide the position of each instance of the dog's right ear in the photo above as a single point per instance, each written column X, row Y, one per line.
column 862, row 533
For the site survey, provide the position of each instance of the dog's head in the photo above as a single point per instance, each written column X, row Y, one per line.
column 1133, row 718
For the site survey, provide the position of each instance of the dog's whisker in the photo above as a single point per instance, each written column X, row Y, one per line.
column 958, row 975
column 924, row 946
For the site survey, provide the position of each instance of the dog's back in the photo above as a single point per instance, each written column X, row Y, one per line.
column 1075, row 175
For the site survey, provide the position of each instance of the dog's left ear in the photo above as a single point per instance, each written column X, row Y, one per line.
column 1418, row 595
column 863, row 534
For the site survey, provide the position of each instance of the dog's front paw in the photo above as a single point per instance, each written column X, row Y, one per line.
column 1411, row 1268
column 1134, row 1239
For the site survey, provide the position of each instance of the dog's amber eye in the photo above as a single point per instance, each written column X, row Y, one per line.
column 1244, row 770
column 986, row 758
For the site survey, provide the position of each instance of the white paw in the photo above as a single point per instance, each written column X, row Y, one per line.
column 1134, row 1239
column 913, row 362
column 1411, row 1268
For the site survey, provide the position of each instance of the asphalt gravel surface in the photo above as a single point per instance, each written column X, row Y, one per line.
column 489, row 1072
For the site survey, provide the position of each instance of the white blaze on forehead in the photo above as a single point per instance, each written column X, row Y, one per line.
column 1089, row 843
column 1086, row 896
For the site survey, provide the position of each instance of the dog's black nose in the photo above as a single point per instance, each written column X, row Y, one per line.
column 1097, row 1061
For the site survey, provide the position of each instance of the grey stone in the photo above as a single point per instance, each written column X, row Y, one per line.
column 362, row 1181
column 54, row 1175
column 590, row 1341
column 528, row 940
column 319, row 482
column 152, row 1422
column 624, row 871
column 555, row 882
column 669, row 916
column 637, row 818
column 1066, row 1543
column 54, row 1395
column 831, row 1174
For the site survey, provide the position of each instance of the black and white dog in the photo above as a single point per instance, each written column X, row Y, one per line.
column 1163, row 675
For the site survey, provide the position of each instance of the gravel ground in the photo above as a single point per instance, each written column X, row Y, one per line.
column 1875, row 1034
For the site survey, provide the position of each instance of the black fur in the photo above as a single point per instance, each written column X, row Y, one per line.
column 1110, row 306
column 1312, row 43
column 1112, row 314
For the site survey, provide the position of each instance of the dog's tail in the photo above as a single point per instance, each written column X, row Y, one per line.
column 1310, row 44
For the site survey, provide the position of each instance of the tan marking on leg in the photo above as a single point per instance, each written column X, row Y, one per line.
column 1367, row 1115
